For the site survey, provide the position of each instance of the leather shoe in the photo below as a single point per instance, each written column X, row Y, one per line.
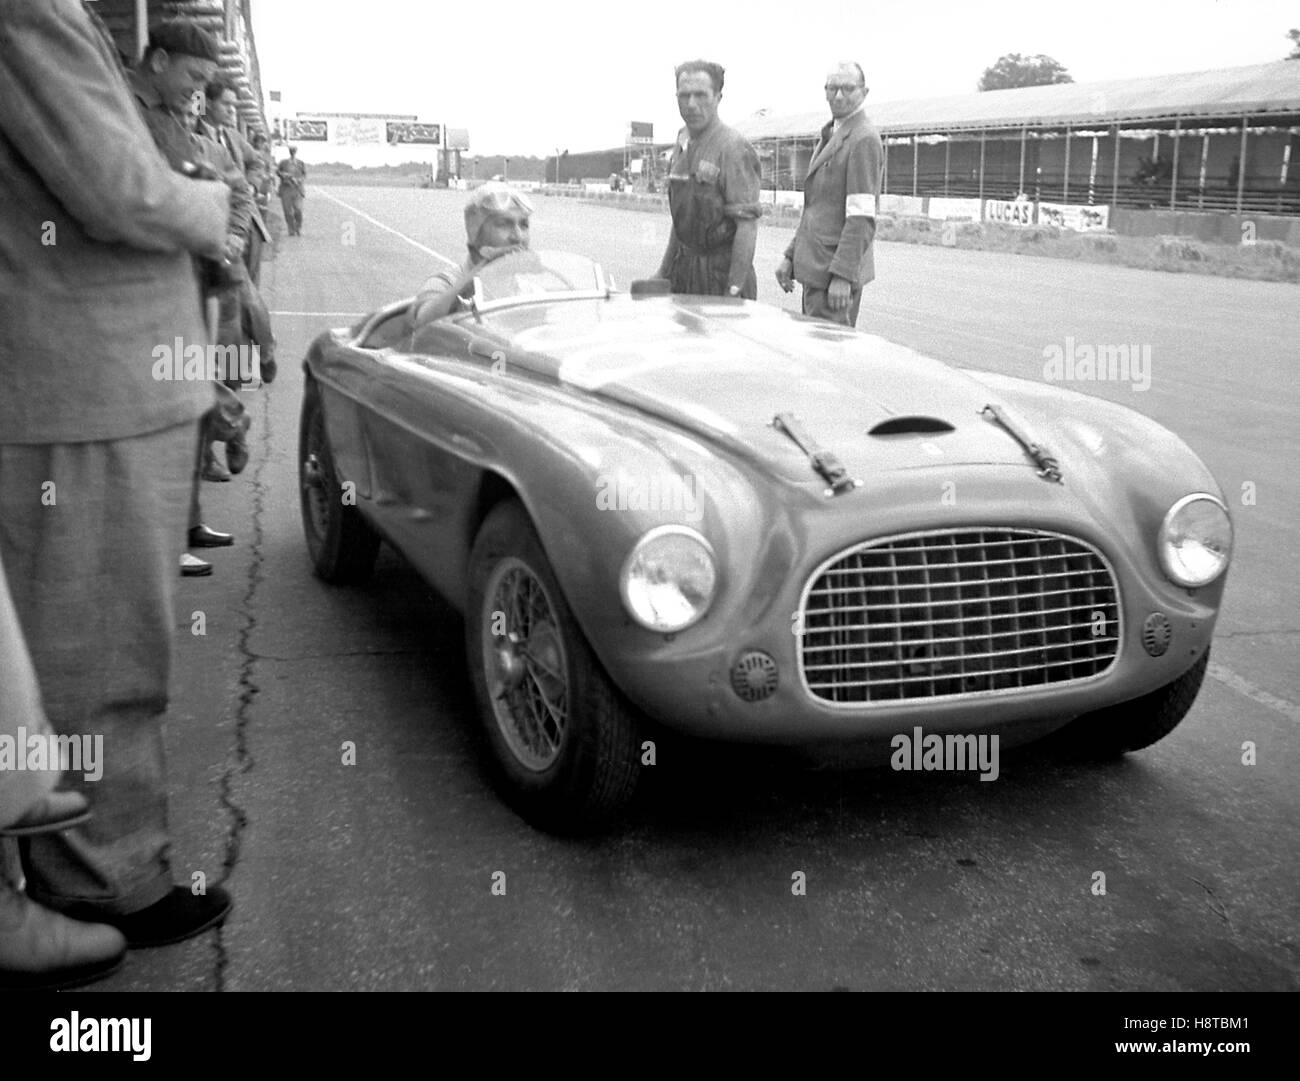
column 194, row 567
column 56, row 811
column 178, row 916
column 43, row 950
column 212, row 469
column 203, row 537
column 236, row 454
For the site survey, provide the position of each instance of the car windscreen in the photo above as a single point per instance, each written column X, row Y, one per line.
column 522, row 275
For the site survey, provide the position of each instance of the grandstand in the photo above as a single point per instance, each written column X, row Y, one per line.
column 1212, row 140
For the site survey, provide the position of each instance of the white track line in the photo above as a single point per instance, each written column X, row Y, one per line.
column 1229, row 678
column 386, row 228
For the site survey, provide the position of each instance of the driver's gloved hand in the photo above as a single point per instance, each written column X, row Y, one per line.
column 487, row 254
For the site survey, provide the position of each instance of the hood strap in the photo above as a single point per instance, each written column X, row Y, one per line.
column 824, row 462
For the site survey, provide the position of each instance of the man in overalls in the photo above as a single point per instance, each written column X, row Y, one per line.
column 713, row 193
column 293, row 189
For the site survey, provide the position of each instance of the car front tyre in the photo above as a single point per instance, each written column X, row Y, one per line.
column 561, row 743
column 1138, row 723
column 341, row 544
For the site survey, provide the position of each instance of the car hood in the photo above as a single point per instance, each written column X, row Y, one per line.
column 723, row 370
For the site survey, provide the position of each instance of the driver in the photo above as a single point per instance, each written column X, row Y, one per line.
column 496, row 222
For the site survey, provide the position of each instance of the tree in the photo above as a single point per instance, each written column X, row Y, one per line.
column 1016, row 70
column 1294, row 35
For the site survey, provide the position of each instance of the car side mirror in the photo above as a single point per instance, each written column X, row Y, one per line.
column 651, row 287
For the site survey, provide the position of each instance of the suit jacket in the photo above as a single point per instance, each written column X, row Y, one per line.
column 95, row 236
column 231, row 154
column 839, row 206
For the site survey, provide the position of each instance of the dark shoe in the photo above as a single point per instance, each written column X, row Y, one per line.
column 215, row 471
column 268, row 368
column 236, row 455
column 42, row 950
column 194, row 567
column 203, row 537
column 57, row 811
column 177, row 917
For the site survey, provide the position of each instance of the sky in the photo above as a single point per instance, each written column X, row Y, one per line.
column 533, row 76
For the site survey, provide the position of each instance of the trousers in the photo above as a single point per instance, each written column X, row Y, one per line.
column 90, row 534
column 21, row 714
column 814, row 304
column 291, row 203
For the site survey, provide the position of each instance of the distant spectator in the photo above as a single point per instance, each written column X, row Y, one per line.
column 293, row 190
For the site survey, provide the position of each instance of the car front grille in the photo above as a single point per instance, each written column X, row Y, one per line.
column 957, row 612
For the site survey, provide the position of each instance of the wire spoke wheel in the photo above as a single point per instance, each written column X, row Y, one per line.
column 561, row 743
column 316, row 482
column 524, row 653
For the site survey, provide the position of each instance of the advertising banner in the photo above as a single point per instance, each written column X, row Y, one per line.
column 307, row 131
column 403, row 132
column 902, row 204
column 959, row 209
column 358, row 131
column 1082, row 219
column 1009, row 211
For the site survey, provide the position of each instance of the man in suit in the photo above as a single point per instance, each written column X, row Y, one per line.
column 98, row 442
column 220, row 123
column 243, row 315
column 830, row 255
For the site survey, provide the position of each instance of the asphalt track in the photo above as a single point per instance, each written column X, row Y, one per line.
column 379, row 875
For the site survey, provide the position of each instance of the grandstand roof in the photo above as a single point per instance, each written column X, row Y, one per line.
column 1255, row 91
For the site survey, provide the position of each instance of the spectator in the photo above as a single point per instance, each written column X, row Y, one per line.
column 293, row 190
column 220, row 123
column 830, row 255
column 96, row 450
column 39, row 948
column 169, row 88
column 243, row 317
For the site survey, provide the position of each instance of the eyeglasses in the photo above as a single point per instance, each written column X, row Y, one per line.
column 839, row 88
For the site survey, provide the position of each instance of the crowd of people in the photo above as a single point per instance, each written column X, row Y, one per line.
column 135, row 219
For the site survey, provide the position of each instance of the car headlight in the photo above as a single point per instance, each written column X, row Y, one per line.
column 1195, row 540
column 667, row 581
